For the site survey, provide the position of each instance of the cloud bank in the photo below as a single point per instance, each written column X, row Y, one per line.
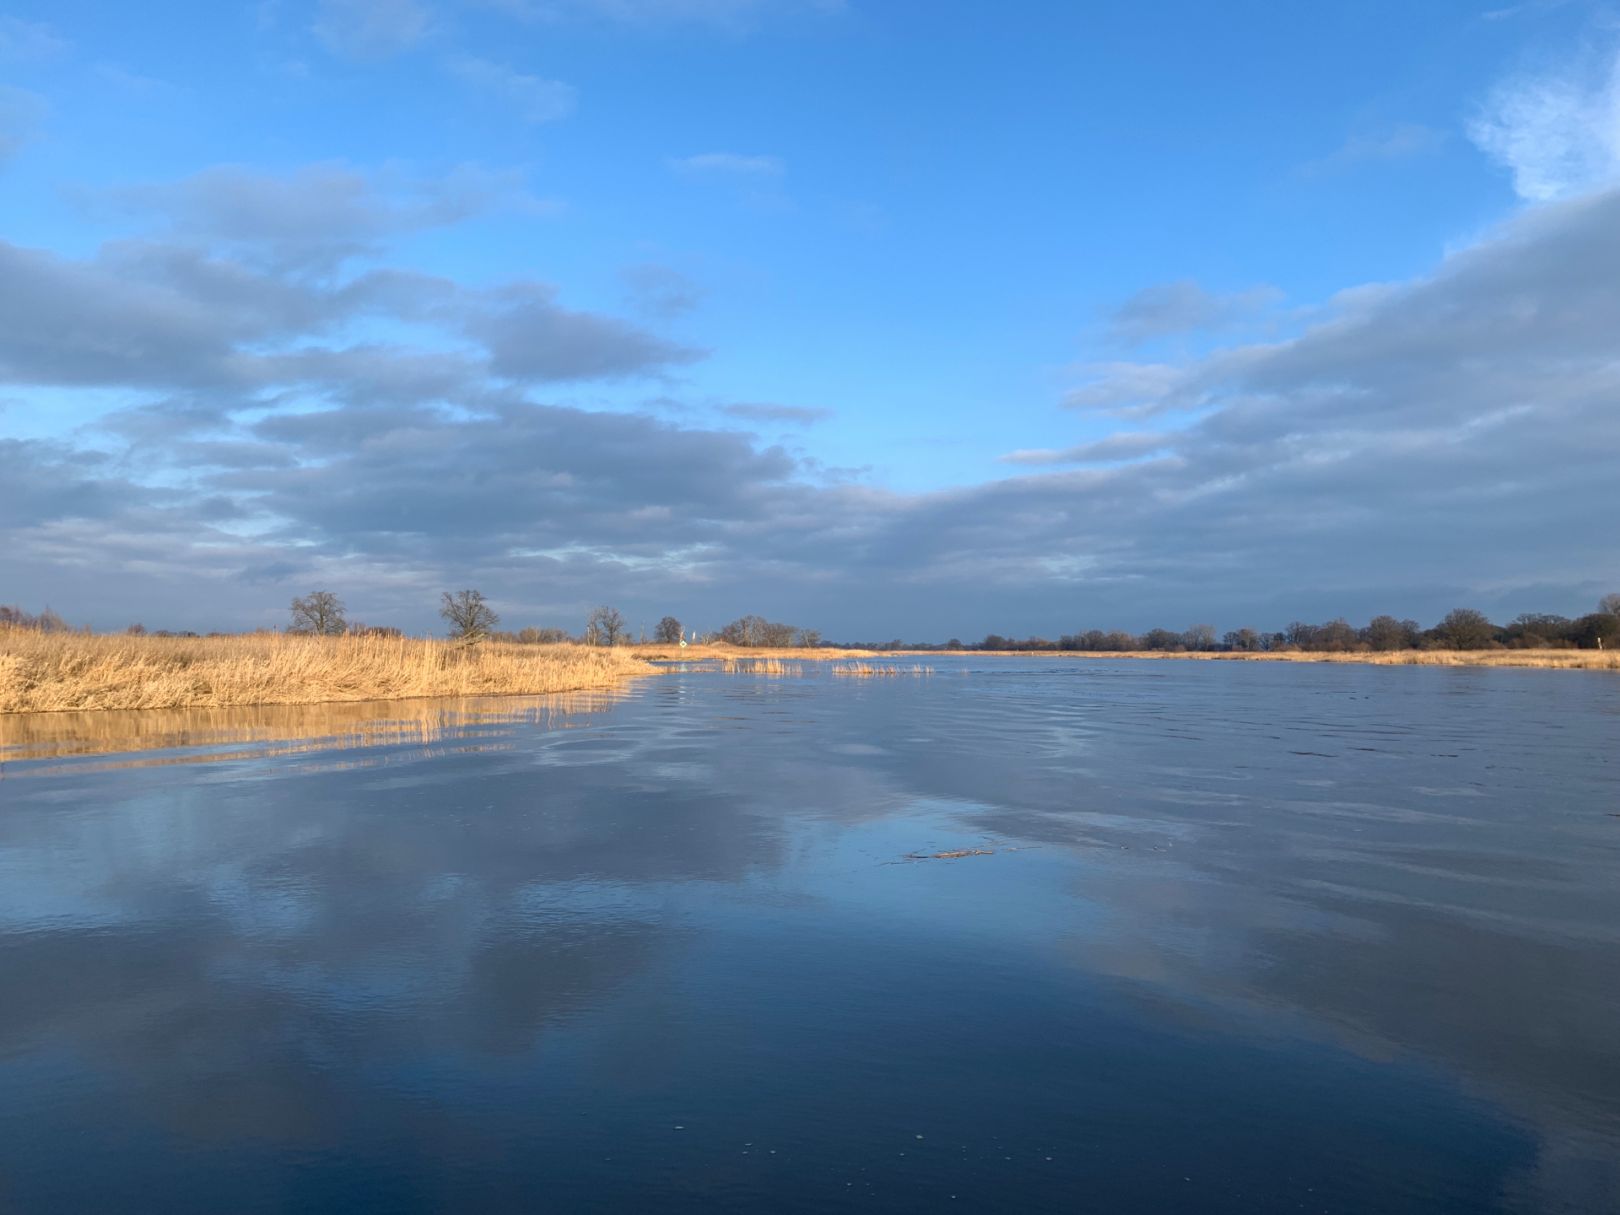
column 295, row 411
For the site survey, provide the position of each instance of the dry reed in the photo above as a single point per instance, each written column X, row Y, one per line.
column 869, row 670
column 1574, row 660
column 48, row 672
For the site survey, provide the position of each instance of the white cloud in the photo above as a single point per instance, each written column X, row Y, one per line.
column 730, row 164
column 1404, row 141
column 723, row 13
column 29, row 40
column 371, row 29
column 1558, row 133
column 533, row 98
column 20, row 114
column 1127, row 445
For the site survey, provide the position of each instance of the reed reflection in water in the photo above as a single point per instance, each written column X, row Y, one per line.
column 151, row 737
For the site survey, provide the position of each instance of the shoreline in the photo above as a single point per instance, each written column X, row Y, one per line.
column 76, row 672
column 1546, row 659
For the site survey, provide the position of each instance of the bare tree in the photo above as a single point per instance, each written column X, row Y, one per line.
column 605, row 626
column 1199, row 637
column 320, row 613
column 668, row 631
column 470, row 618
column 1610, row 604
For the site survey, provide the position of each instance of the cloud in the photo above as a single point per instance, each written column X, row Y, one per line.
column 1404, row 141
column 730, row 164
column 29, row 41
column 659, row 291
column 1557, row 133
column 729, row 14
column 20, row 115
column 1128, row 445
column 791, row 415
column 318, row 215
column 247, row 286
column 1182, row 307
column 530, row 338
column 532, row 98
column 371, row 29
column 1443, row 440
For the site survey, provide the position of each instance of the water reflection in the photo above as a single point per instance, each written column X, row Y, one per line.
column 206, row 735
column 1245, row 939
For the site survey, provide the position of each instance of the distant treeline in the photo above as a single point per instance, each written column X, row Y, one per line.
column 1462, row 629
column 471, row 619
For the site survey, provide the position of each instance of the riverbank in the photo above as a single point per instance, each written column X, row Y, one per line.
column 54, row 672
column 1572, row 660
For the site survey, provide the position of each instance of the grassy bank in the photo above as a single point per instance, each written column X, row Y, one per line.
column 1574, row 660
column 50, row 672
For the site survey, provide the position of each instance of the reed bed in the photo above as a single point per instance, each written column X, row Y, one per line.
column 1572, row 660
column 52, row 672
column 876, row 670
column 761, row 666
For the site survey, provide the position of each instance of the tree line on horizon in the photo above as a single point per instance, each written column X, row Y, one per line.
column 470, row 619
column 1460, row 629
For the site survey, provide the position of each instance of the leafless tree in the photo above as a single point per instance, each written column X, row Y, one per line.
column 668, row 631
column 605, row 626
column 1610, row 604
column 470, row 618
column 320, row 613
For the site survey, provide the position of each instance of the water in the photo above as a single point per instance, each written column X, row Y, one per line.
column 1228, row 938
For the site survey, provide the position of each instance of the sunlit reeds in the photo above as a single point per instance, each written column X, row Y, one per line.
column 47, row 672
column 1585, row 660
column 877, row 670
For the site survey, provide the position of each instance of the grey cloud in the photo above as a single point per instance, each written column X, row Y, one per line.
column 791, row 415
column 319, row 215
column 1446, row 440
column 530, row 337
column 1128, row 445
column 371, row 29
column 1181, row 307
column 660, row 291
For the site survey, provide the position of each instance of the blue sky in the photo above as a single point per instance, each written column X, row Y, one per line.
column 896, row 318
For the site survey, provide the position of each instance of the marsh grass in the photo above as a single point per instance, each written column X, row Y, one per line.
column 762, row 666
column 1574, row 660
column 876, row 670
column 52, row 672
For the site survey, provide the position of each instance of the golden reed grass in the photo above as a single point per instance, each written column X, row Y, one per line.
column 870, row 670
column 1572, row 660
column 50, row 672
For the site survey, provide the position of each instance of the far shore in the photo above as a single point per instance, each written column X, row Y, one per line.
column 66, row 672
column 1553, row 659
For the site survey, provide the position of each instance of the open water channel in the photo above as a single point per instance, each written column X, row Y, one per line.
column 1216, row 937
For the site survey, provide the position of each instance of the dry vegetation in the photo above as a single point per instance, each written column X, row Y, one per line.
column 1576, row 660
column 47, row 672
column 871, row 670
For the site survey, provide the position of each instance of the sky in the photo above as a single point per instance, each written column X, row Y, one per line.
column 889, row 318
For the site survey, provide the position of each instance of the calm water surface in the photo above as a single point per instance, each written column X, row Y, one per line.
column 1230, row 938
